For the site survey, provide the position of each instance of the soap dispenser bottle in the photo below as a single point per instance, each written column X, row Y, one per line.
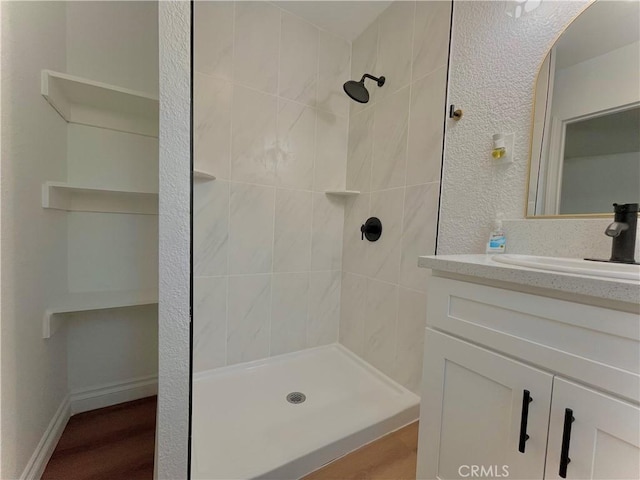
column 497, row 240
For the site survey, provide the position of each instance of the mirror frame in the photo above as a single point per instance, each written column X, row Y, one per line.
column 531, row 139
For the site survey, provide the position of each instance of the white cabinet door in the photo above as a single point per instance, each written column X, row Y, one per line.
column 472, row 410
column 602, row 442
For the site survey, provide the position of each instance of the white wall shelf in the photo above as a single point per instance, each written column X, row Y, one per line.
column 97, row 104
column 62, row 196
column 87, row 301
column 202, row 175
column 343, row 193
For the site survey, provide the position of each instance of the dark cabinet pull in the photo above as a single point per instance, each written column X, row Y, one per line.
column 526, row 400
column 566, row 439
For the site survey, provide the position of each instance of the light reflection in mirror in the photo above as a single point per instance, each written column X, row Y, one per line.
column 585, row 152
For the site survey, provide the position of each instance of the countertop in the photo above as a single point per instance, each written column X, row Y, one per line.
column 482, row 266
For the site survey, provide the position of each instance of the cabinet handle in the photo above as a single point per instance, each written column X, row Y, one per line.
column 526, row 400
column 566, row 440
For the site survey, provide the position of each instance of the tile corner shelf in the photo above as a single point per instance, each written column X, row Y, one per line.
column 87, row 102
column 343, row 193
column 202, row 175
column 62, row 196
column 88, row 301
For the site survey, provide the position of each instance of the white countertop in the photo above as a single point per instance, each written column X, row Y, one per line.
column 483, row 266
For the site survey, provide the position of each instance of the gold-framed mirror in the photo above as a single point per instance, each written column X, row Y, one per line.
column 585, row 146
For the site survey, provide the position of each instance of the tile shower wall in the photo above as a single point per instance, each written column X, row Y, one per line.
column 271, row 123
column 394, row 157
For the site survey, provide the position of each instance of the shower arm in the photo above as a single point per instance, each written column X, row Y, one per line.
column 379, row 81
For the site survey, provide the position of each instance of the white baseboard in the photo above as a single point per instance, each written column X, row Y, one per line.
column 47, row 444
column 113, row 393
column 82, row 401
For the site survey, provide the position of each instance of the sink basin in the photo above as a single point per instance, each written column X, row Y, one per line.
column 620, row 271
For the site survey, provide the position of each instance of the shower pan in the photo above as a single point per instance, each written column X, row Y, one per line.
column 246, row 427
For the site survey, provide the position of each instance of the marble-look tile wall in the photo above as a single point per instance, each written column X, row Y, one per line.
column 271, row 123
column 394, row 159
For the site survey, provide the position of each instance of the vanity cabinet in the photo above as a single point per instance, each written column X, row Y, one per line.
column 474, row 397
column 604, row 440
column 489, row 350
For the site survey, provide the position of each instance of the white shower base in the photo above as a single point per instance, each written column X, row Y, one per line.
column 243, row 427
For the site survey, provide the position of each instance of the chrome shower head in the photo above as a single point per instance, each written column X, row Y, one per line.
column 357, row 91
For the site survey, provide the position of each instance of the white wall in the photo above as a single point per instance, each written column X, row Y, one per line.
column 591, row 184
column 494, row 86
column 34, row 252
column 117, row 43
column 114, row 42
column 395, row 152
column 271, row 123
column 172, row 428
column 598, row 84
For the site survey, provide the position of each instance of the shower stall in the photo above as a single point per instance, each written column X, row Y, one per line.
column 313, row 196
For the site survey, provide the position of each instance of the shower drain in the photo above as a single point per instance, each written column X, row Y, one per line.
column 296, row 397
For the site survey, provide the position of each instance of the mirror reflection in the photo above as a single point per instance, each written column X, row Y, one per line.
column 585, row 152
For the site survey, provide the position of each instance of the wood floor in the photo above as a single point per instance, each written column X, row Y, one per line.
column 117, row 443
column 392, row 457
column 113, row 443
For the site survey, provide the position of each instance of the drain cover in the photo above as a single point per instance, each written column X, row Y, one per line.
column 296, row 397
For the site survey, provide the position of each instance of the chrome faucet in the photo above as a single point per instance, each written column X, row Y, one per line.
column 623, row 231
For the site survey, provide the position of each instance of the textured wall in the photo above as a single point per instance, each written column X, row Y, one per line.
column 172, row 427
column 34, row 240
column 494, row 62
column 271, row 124
column 395, row 148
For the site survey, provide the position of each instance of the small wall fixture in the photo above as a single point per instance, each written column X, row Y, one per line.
column 455, row 113
column 502, row 151
column 499, row 149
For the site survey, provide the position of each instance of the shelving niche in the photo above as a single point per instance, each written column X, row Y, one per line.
column 202, row 175
column 343, row 193
column 97, row 104
column 90, row 103
column 88, row 301
column 62, row 196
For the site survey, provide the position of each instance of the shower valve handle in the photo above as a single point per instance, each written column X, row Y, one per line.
column 371, row 229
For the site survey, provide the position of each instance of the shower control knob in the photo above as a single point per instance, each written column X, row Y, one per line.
column 371, row 229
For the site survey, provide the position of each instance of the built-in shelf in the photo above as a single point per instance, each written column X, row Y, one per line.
column 62, row 196
column 343, row 193
column 87, row 301
column 97, row 104
column 202, row 175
